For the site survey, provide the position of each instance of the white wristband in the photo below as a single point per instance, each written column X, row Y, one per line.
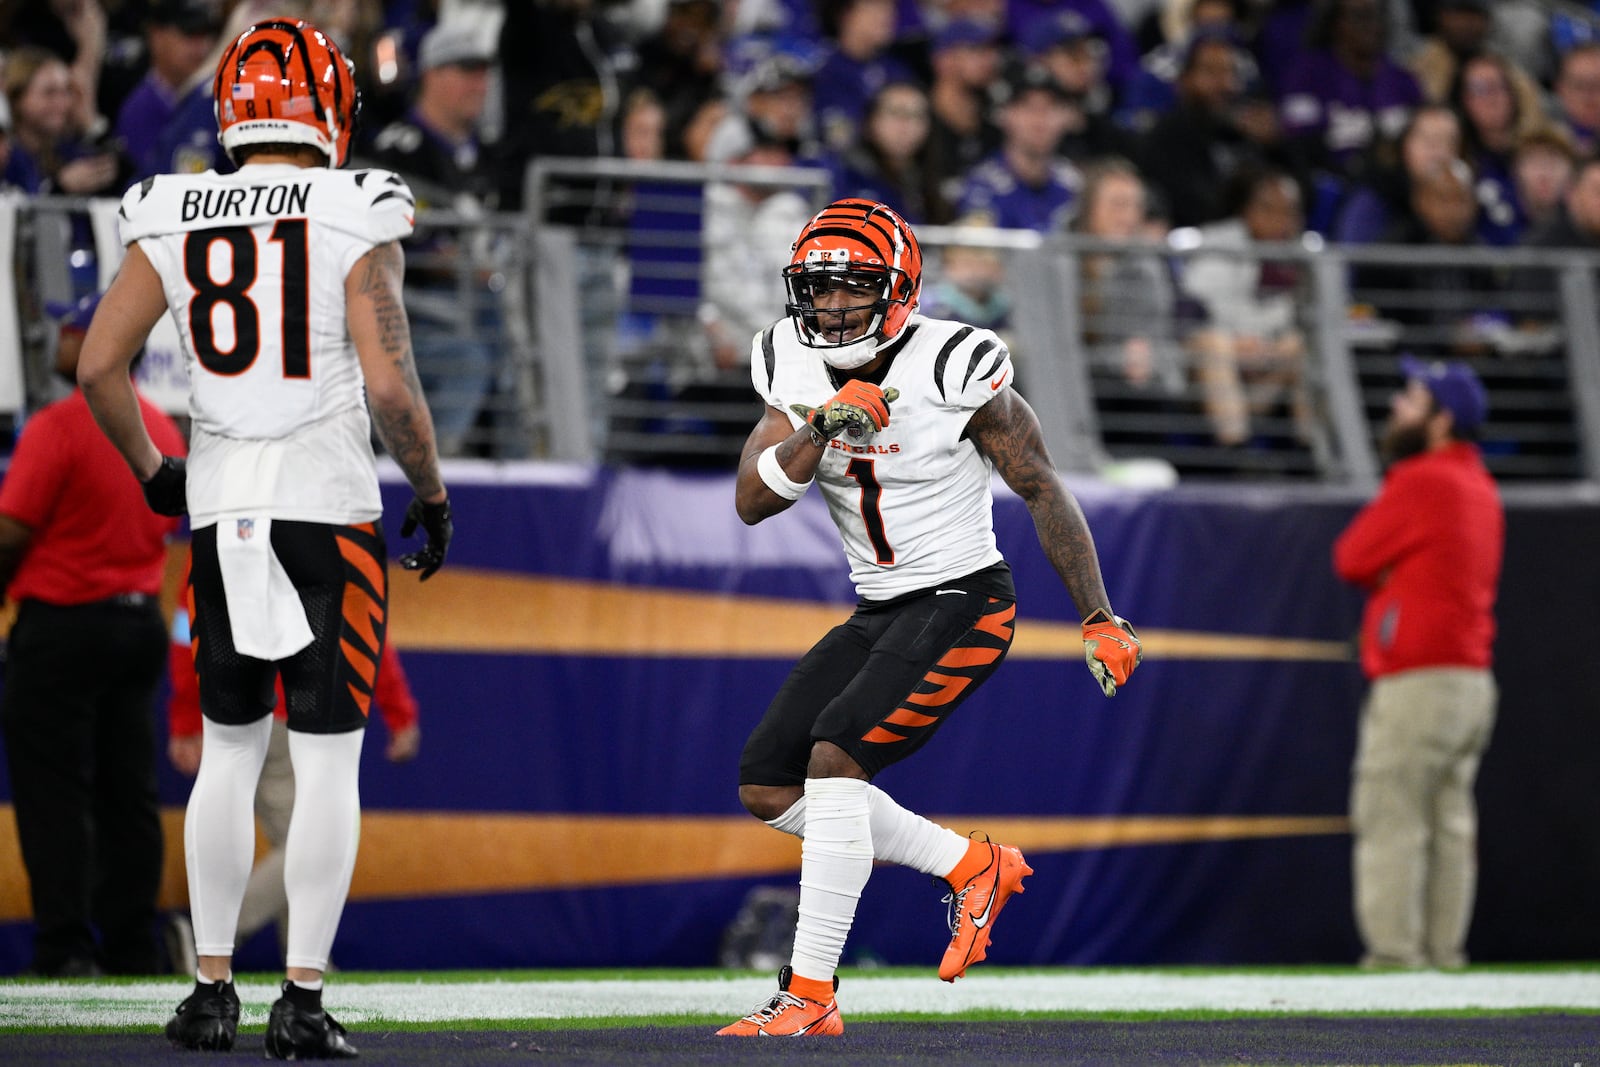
column 771, row 472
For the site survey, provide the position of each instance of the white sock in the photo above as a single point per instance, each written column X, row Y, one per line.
column 835, row 863
column 324, row 831
column 904, row 837
column 898, row 835
column 219, row 830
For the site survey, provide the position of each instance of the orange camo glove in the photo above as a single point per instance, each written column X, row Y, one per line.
column 858, row 407
column 1111, row 649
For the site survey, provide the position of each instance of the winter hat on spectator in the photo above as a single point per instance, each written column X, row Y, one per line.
column 1063, row 28
column 1455, row 388
column 452, row 44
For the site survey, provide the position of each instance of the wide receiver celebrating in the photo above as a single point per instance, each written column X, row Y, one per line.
column 285, row 282
column 912, row 502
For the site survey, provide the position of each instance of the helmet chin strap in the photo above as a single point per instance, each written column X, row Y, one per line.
column 857, row 353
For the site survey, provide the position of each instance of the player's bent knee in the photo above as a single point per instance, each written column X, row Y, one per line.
column 768, row 802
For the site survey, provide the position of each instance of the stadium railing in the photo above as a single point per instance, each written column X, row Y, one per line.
column 595, row 306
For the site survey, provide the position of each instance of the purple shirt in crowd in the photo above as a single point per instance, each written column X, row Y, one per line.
column 993, row 193
column 143, row 117
column 1321, row 98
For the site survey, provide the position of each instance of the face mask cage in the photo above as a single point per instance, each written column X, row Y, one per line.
column 868, row 291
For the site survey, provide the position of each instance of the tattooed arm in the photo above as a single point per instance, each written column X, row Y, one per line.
column 382, row 336
column 1007, row 431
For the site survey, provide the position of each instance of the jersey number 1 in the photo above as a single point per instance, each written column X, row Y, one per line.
column 871, row 493
column 234, row 291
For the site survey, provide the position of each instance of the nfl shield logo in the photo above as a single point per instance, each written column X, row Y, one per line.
column 246, row 529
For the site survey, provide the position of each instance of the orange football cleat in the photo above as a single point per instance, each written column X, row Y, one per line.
column 979, row 888
column 791, row 1014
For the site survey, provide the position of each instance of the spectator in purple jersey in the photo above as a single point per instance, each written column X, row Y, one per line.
column 1577, row 90
column 179, row 35
column 1484, row 98
column 1024, row 17
column 857, row 65
column 890, row 163
column 1026, row 185
column 1341, row 98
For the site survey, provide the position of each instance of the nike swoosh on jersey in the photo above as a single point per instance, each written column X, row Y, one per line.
column 1002, row 381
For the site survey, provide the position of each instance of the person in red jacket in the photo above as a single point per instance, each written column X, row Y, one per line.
column 1427, row 550
column 83, row 558
column 265, row 899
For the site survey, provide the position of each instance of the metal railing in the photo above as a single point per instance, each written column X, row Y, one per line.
column 611, row 320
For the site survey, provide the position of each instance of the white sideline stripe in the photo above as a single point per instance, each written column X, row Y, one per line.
column 149, row 1004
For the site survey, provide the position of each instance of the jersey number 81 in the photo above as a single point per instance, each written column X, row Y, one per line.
column 294, row 297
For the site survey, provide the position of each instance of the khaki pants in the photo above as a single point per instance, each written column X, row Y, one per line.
column 1422, row 735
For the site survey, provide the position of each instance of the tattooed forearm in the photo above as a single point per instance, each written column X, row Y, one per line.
column 408, row 435
column 1007, row 431
column 399, row 410
column 381, row 281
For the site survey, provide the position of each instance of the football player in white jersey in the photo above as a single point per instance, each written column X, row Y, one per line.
column 910, row 495
column 284, row 280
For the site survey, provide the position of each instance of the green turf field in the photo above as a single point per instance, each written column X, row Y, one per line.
column 435, row 1000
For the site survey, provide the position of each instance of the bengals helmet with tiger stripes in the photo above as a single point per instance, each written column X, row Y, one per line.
column 286, row 82
column 871, row 249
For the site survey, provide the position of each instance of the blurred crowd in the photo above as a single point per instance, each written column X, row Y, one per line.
column 949, row 110
column 1456, row 123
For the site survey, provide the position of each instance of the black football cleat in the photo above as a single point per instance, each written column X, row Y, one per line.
column 207, row 1019
column 295, row 1033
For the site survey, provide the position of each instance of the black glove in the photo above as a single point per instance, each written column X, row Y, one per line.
column 435, row 521
column 167, row 490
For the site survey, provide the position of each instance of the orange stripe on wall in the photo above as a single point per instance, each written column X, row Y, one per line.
column 409, row 855
column 462, row 609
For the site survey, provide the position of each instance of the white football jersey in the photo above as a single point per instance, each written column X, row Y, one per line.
column 912, row 501
column 254, row 266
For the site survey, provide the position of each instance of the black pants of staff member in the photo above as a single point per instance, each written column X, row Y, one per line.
column 79, row 719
